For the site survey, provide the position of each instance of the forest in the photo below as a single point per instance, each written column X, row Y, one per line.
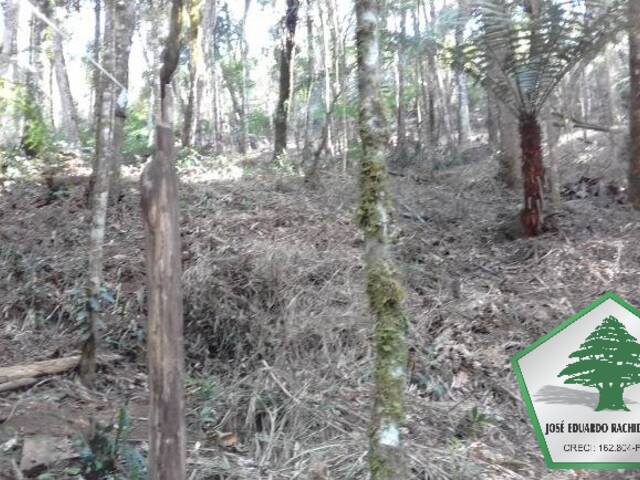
column 303, row 239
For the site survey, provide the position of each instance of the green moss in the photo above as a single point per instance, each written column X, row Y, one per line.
column 385, row 298
column 372, row 179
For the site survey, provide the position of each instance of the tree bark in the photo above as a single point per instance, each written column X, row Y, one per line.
column 99, row 200
column 160, row 209
column 327, row 66
column 510, row 153
column 9, row 69
column 195, row 61
column 69, row 112
column 244, row 50
column 311, row 74
column 401, row 143
column 386, row 457
column 462, row 105
column 281, row 118
column 532, row 174
column 634, row 103
column 10, row 10
column 125, row 21
column 95, row 79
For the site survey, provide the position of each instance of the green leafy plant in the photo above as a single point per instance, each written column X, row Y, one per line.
column 37, row 139
column 107, row 455
column 205, row 390
column 136, row 133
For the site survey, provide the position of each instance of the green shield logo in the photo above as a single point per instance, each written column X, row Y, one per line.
column 581, row 386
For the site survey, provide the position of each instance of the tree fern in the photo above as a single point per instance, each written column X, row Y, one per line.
column 519, row 50
column 533, row 51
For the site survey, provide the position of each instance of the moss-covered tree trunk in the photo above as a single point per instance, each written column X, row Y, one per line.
column 286, row 52
column 634, row 102
column 386, row 458
column 532, row 174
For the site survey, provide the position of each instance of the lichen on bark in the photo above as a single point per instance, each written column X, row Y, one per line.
column 386, row 458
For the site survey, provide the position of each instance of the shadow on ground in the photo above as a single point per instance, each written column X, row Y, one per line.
column 569, row 396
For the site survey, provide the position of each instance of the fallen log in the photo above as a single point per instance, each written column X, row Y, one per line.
column 15, row 384
column 45, row 367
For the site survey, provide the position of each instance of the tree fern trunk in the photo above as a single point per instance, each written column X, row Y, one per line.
column 532, row 174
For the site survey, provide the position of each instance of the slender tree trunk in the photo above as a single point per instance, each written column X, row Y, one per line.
column 532, row 174
column 11, row 11
column 634, row 102
column 160, row 209
column 8, row 68
column 99, row 199
column 95, row 79
column 510, row 152
column 68, row 106
column 195, row 60
column 35, row 75
column 386, row 457
column 462, row 105
column 552, row 135
column 311, row 73
column 401, row 150
column 493, row 131
column 427, row 105
column 286, row 52
column 125, row 23
column 244, row 50
column 327, row 65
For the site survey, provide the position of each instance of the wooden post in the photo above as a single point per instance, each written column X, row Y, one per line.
column 159, row 190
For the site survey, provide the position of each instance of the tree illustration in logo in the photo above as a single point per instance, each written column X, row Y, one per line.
column 609, row 360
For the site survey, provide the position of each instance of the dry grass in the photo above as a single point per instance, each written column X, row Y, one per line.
column 277, row 327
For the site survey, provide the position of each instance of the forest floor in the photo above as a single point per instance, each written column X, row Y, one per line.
column 276, row 321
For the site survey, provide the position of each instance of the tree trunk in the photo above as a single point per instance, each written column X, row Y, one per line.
column 327, row 66
column 462, row 105
column 552, row 136
column 611, row 398
column 95, row 78
column 401, row 143
column 386, row 457
column 427, row 104
column 10, row 10
column 99, row 200
column 9, row 68
column 195, row 60
column 68, row 106
column 634, row 103
column 532, row 174
column 160, row 209
column 244, row 134
column 509, row 156
column 286, row 52
column 125, row 23
column 493, row 132
column 311, row 74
